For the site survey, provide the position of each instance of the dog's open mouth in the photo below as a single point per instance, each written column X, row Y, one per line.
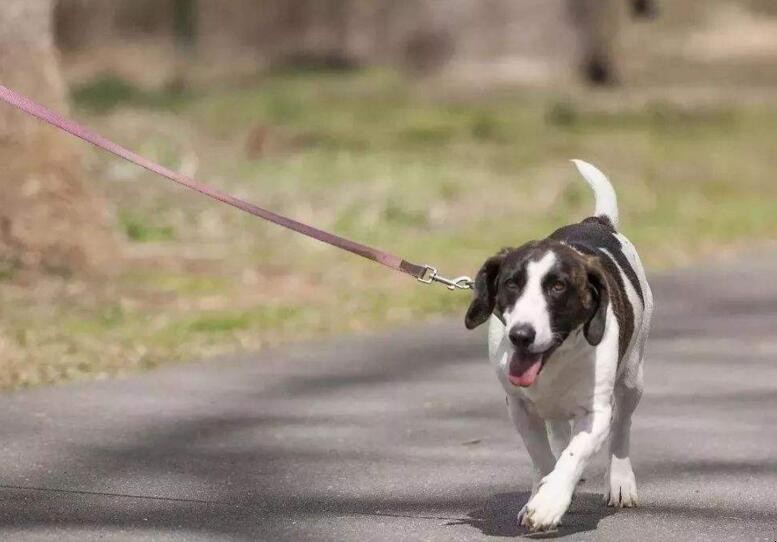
column 524, row 368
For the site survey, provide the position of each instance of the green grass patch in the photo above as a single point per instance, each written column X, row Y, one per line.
column 110, row 92
column 142, row 230
column 223, row 325
column 218, row 323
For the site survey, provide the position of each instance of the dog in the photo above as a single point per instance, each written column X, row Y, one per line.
column 569, row 316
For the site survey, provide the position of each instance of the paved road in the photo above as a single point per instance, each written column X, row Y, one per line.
column 400, row 436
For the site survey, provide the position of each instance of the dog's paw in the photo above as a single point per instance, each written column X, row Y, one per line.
column 544, row 510
column 622, row 484
column 522, row 516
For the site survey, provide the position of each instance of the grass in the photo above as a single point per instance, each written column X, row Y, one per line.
column 142, row 230
column 436, row 176
column 107, row 93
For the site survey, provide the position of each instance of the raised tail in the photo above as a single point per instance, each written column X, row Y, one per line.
column 606, row 200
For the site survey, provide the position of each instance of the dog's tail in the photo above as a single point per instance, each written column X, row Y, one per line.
column 606, row 200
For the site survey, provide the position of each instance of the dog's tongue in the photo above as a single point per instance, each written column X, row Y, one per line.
column 524, row 369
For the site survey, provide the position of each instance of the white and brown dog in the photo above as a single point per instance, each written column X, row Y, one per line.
column 569, row 318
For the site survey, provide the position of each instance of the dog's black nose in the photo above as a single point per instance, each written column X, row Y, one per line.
column 522, row 336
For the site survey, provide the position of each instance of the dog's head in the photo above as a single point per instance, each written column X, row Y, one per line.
column 542, row 292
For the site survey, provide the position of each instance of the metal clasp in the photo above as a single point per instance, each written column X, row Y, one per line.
column 431, row 275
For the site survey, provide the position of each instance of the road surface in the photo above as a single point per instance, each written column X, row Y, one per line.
column 400, row 436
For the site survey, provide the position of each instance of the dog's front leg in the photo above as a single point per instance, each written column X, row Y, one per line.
column 535, row 437
column 548, row 505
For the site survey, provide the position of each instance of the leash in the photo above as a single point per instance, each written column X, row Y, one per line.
column 423, row 273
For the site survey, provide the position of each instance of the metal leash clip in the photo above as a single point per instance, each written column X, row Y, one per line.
column 431, row 275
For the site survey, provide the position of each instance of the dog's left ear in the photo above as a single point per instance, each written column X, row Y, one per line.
column 593, row 329
column 485, row 291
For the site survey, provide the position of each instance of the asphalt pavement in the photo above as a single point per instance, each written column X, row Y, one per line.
column 400, row 436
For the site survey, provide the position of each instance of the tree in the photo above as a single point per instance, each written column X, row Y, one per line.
column 49, row 219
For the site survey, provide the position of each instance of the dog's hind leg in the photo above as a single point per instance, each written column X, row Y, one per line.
column 621, row 482
column 622, row 486
column 620, row 476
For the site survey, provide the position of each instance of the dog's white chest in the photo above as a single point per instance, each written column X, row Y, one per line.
column 566, row 388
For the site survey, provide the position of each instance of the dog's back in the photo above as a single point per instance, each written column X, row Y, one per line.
column 598, row 236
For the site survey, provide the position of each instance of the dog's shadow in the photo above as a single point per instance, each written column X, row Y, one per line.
column 498, row 516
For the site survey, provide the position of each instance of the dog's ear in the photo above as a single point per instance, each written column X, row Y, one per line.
column 484, row 296
column 593, row 329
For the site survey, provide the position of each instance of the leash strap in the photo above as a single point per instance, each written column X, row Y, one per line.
column 424, row 273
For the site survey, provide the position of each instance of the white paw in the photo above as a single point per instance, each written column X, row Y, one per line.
column 522, row 515
column 623, row 486
column 544, row 510
column 534, row 488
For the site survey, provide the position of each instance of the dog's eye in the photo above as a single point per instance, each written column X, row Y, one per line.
column 558, row 287
column 512, row 284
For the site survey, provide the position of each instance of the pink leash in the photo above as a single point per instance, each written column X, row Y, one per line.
column 424, row 273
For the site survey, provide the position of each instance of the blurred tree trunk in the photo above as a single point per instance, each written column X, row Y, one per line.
column 48, row 219
column 598, row 23
column 149, row 43
column 529, row 39
column 331, row 33
column 424, row 36
column 81, row 24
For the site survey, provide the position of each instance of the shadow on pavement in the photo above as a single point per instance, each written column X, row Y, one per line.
column 497, row 517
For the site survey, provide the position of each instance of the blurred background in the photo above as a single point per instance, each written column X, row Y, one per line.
column 439, row 130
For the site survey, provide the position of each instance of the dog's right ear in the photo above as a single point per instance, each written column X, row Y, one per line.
column 484, row 291
column 594, row 328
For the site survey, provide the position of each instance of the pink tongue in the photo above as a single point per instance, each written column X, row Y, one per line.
column 524, row 369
